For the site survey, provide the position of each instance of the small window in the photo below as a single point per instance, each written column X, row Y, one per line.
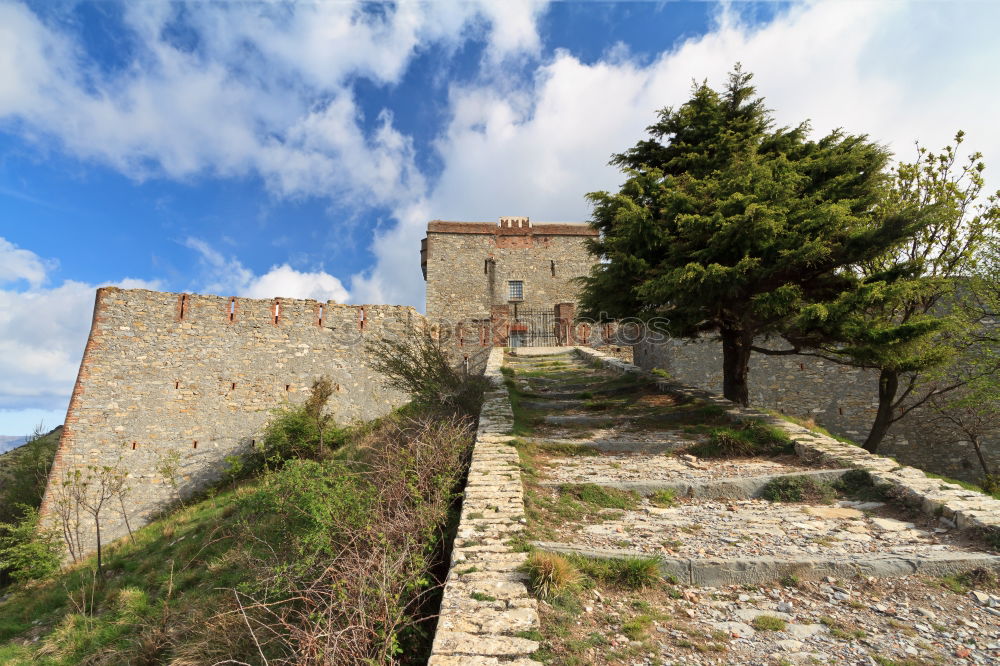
column 516, row 290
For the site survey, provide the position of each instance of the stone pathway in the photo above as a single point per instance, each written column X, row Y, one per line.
column 588, row 431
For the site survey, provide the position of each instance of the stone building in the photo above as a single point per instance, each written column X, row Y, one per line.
column 511, row 282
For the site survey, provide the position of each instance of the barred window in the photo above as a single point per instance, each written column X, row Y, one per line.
column 516, row 290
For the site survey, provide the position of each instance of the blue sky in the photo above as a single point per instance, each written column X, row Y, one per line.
column 283, row 149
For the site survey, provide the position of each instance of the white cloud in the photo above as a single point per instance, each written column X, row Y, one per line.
column 42, row 334
column 229, row 277
column 265, row 89
column 897, row 71
column 17, row 264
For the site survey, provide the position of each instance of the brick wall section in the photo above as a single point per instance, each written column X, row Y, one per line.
column 963, row 508
column 483, row 633
column 840, row 398
column 469, row 265
column 201, row 375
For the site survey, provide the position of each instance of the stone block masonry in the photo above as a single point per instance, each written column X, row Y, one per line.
column 486, row 603
column 182, row 380
column 469, row 267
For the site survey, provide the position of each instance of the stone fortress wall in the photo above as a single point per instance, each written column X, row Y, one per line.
column 840, row 398
column 198, row 377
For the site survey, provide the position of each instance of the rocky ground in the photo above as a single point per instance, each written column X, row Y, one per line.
column 607, row 476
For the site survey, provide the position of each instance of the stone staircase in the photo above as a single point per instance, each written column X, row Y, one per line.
column 588, row 431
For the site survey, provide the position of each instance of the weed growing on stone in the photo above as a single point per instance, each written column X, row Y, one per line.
column 798, row 489
column 859, row 485
column 601, row 497
column 664, row 498
column 632, row 573
column 551, row 575
column 768, row 623
column 751, row 438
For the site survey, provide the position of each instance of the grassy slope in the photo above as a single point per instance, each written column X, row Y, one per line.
column 167, row 598
column 170, row 579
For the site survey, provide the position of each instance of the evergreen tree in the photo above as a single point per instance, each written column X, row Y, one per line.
column 728, row 225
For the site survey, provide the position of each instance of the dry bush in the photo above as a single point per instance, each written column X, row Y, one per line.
column 364, row 599
column 420, row 366
column 551, row 574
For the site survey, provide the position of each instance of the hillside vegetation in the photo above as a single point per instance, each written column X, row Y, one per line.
column 23, row 473
column 327, row 545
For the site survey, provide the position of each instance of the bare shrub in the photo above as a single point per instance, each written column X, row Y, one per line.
column 419, row 365
column 360, row 580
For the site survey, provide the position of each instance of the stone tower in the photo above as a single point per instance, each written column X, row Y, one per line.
column 506, row 282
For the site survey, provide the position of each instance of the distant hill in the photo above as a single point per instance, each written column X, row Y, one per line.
column 8, row 442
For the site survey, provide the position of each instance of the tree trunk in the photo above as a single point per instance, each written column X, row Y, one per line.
column 982, row 460
column 97, row 524
column 735, row 365
column 888, row 384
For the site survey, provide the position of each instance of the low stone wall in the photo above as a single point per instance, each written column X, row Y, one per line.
column 486, row 602
column 842, row 399
column 962, row 508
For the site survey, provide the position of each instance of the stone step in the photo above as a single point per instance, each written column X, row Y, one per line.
column 719, row 488
column 672, row 415
column 531, row 352
column 716, row 572
column 567, row 405
column 575, row 395
column 610, row 445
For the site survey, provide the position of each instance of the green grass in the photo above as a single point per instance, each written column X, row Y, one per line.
column 859, row 485
column 798, row 489
column 631, row 573
column 664, row 498
column 752, row 438
column 169, row 595
column 525, row 419
column 561, row 449
column 176, row 564
column 976, row 579
column 809, row 424
column 768, row 623
column 600, row 497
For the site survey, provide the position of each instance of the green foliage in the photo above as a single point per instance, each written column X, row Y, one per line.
column 664, row 498
column 917, row 314
column 631, row 573
column 859, row 485
column 343, row 547
column 768, row 623
column 798, row 489
column 419, row 365
column 752, row 438
column 316, row 506
column 727, row 224
column 598, row 496
column 24, row 472
column 27, row 552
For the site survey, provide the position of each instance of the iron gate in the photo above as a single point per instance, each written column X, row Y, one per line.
column 533, row 328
